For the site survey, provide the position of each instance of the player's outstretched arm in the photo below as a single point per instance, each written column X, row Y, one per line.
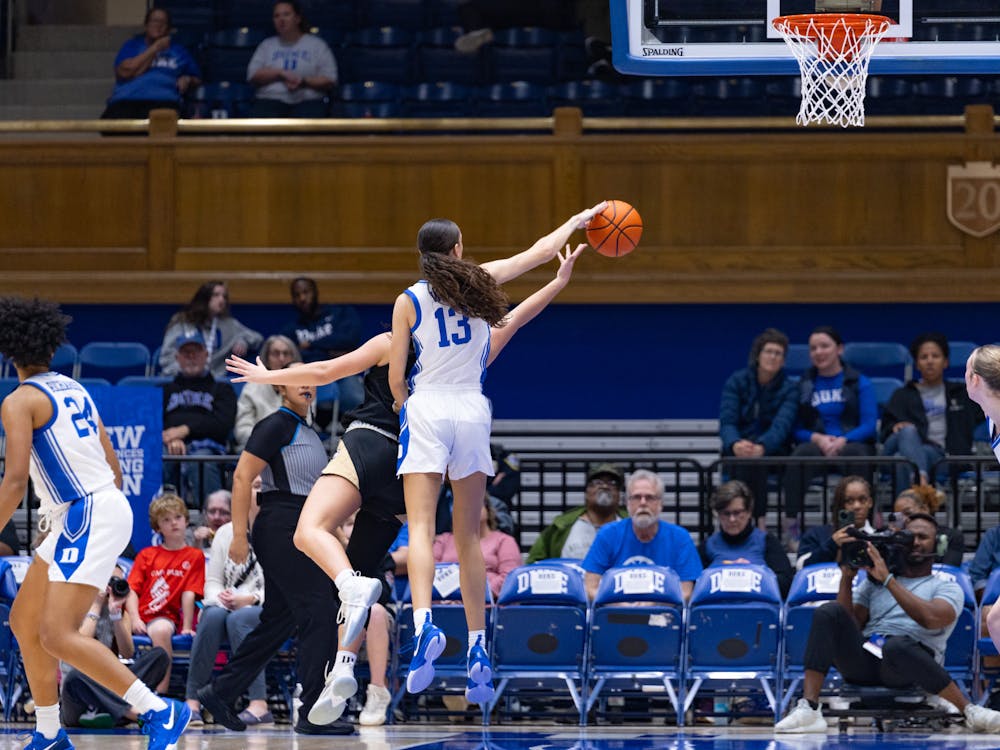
column 372, row 352
column 544, row 249
column 534, row 304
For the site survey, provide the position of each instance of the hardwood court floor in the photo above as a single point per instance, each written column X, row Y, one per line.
column 445, row 737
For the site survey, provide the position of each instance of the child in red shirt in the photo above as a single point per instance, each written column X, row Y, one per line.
column 166, row 580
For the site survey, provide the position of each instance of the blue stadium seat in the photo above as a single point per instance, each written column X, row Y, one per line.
column 949, row 94
column 884, row 388
column 516, row 99
column 13, row 681
column 101, row 357
column 594, row 98
column 437, row 59
column 228, row 53
column 959, row 657
column 154, row 381
column 379, row 54
column 958, row 355
column 540, row 631
column 523, row 54
column 734, row 629
column 221, row 100
column 729, row 97
column 189, row 16
column 92, row 382
column 797, row 358
column 65, row 359
column 440, row 99
column 985, row 647
column 571, row 55
column 335, row 14
column 19, row 564
column 783, row 95
column 254, row 14
column 367, row 99
column 888, row 95
column 658, row 97
column 636, row 634
column 869, row 357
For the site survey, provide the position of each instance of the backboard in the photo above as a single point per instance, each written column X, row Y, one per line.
column 736, row 37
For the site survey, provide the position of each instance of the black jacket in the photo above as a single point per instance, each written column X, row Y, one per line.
column 961, row 417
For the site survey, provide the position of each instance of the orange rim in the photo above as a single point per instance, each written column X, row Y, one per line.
column 857, row 22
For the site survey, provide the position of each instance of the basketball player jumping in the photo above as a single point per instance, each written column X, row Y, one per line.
column 55, row 436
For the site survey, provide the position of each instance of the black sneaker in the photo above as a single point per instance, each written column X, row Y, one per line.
column 221, row 711
column 304, row 726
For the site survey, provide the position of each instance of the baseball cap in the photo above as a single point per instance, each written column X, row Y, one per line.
column 192, row 336
column 606, row 469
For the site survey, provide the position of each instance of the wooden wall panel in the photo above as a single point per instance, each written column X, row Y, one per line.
column 816, row 216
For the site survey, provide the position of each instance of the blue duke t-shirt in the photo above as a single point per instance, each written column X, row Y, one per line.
column 159, row 83
column 616, row 544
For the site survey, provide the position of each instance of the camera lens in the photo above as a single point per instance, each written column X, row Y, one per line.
column 119, row 586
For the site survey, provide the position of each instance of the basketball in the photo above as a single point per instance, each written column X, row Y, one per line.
column 616, row 230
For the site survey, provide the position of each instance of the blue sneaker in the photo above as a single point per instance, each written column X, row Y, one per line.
column 428, row 645
column 479, row 687
column 40, row 742
column 165, row 727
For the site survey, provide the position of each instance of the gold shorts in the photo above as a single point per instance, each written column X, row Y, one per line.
column 341, row 465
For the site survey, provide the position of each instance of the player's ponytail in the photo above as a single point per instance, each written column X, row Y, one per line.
column 461, row 285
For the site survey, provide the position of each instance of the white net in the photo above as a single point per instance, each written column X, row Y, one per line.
column 833, row 52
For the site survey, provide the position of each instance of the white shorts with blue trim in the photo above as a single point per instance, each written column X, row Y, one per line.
column 86, row 540
column 445, row 431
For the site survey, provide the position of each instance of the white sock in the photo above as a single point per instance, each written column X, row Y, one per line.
column 47, row 721
column 420, row 616
column 477, row 636
column 345, row 661
column 142, row 699
column 343, row 576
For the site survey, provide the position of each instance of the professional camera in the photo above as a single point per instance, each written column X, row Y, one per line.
column 119, row 586
column 895, row 545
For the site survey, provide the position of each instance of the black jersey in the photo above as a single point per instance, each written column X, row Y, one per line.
column 294, row 453
column 376, row 409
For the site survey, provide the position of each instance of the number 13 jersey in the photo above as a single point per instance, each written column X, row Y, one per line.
column 67, row 458
column 451, row 348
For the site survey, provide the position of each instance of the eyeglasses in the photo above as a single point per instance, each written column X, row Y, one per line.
column 649, row 498
column 608, row 484
column 772, row 352
column 733, row 513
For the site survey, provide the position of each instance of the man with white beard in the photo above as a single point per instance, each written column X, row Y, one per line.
column 572, row 533
column 643, row 539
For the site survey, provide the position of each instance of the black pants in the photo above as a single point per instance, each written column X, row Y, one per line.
column 835, row 640
column 299, row 598
column 81, row 694
column 797, row 477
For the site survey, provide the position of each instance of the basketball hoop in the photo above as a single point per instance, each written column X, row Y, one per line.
column 833, row 51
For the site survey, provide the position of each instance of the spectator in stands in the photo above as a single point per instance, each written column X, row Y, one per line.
column 9, row 542
column 642, row 539
column 480, row 17
column 986, row 559
column 500, row 551
column 930, row 418
column 325, row 331
column 758, row 410
column 198, row 415
column 216, row 512
column 852, row 505
column 85, row 703
column 738, row 539
column 151, row 71
column 910, row 612
column 208, row 312
column 292, row 71
column 446, row 501
column 506, row 482
column 234, row 593
column 166, row 580
column 923, row 498
column 572, row 533
column 837, row 416
column 257, row 400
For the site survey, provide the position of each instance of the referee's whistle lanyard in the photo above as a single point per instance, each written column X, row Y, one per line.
column 301, row 420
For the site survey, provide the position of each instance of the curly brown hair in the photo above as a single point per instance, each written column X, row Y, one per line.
column 924, row 495
column 460, row 284
column 31, row 330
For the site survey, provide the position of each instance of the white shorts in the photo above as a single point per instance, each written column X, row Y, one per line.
column 85, row 542
column 445, row 431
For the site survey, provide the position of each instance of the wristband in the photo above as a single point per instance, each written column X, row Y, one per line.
column 886, row 580
column 92, row 616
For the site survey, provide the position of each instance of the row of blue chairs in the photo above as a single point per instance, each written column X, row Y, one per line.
column 882, row 357
column 97, row 358
column 735, row 635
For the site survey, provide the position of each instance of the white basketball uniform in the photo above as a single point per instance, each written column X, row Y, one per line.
column 445, row 423
column 88, row 518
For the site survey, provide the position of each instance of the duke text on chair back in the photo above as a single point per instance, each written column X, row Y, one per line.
column 636, row 634
column 540, row 631
column 734, row 631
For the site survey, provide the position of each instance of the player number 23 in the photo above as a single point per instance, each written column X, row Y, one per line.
column 460, row 336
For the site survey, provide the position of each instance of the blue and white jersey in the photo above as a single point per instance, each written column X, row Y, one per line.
column 67, row 458
column 991, row 430
column 451, row 348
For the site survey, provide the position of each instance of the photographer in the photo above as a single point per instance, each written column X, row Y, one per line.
column 86, row 703
column 892, row 631
column 852, row 504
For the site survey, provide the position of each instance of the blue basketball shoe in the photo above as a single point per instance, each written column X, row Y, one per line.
column 40, row 742
column 428, row 645
column 479, row 687
column 165, row 727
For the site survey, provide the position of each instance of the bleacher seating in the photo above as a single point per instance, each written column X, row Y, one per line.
column 119, row 357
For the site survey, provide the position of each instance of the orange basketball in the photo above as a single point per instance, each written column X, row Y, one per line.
column 616, row 230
